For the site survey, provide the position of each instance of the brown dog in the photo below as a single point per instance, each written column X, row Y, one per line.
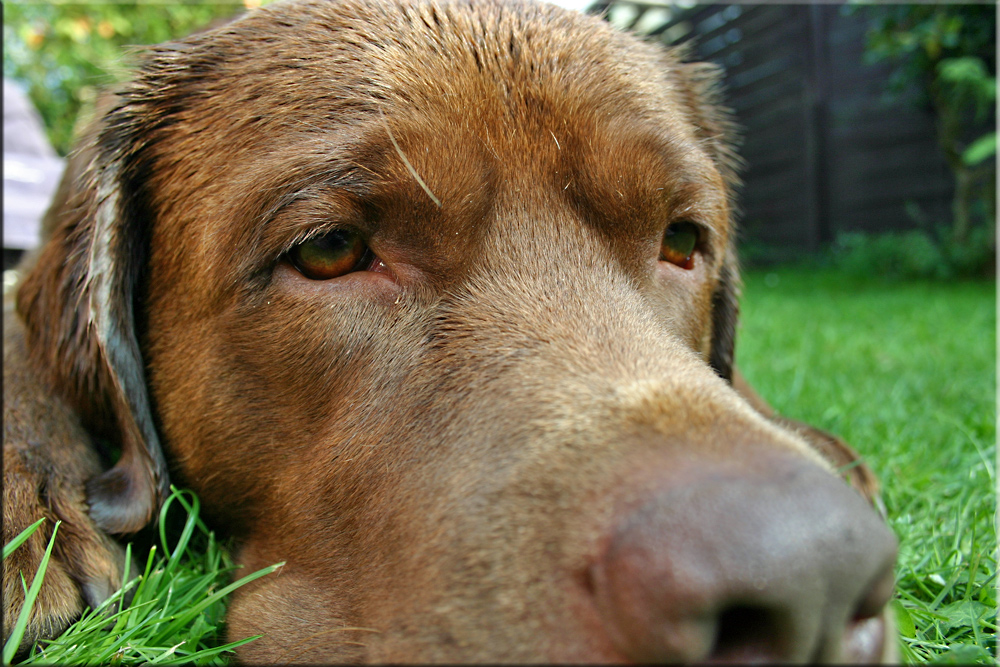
column 435, row 301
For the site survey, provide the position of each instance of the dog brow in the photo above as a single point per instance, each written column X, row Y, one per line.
column 406, row 161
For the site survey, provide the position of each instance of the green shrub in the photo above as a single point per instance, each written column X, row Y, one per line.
column 64, row 54
column 912, row 254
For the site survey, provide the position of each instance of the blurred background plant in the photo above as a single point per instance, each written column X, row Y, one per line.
column 64, row 54
column 947, row 53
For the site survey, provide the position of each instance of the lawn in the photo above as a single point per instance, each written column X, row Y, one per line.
column 906, row 372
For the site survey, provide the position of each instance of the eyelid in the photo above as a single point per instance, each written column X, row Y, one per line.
column 707, row 233
column 702, row 230
column 314, row 210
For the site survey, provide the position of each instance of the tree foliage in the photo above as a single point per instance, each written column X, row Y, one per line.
column 947, row 55
column 64, row 54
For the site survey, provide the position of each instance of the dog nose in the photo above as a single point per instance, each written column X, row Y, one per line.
column 720, row 566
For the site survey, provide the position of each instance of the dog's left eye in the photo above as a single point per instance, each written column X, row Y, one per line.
column 679, row 242
column 332, row 255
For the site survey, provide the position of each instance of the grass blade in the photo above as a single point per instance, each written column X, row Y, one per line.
column 197, row 609
column 21, row 538
column 14, row 641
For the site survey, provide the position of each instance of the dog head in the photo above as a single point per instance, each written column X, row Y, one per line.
column 437, row 302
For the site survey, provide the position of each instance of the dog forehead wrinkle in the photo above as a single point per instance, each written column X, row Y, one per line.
column 336, row 180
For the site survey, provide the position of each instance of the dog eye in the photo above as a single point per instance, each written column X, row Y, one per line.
column 332, row 255
column 678, row 245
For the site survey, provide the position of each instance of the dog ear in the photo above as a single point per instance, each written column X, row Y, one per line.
column 698, row 87
column 78, row 306
column 725, row 314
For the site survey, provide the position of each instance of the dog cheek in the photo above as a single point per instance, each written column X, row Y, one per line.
column 685, row 311
column 279, row 384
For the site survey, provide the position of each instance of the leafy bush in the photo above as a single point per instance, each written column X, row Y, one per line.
column 945, row 52
column 913, row 254
column 909, row 254
column 63, row 54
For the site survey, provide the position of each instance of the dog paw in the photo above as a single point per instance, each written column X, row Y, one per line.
column 86, row 565
column 48, row 458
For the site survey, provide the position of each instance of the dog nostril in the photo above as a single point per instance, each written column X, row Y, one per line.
column 589, row 584
column 865, row 635
column 674, row 583
column 876, row 597
column 747, row 633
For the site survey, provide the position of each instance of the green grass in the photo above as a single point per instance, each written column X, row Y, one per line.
column 905, row 372
column 176, row 612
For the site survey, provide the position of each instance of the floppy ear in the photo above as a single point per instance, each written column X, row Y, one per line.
column 725, row 314
column 78, row 305
column 698, row 86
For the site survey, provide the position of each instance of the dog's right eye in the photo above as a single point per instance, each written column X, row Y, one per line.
column 679, row 243
column 332, row 255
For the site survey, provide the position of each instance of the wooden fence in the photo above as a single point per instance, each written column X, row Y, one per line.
column 827, row 152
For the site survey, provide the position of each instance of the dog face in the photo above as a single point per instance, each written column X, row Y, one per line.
column 436, row 302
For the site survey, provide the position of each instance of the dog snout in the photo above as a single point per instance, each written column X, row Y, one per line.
column 717, row 565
